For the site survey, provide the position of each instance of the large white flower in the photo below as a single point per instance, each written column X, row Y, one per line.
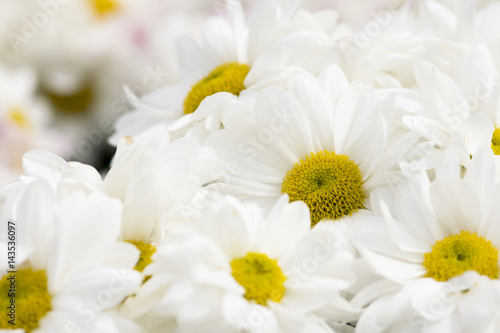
column 438, row 251
column 243, row 272
column 234, row 59
column 324, row 142
column 67, row 265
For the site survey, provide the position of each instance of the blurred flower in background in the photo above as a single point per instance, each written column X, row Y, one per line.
column 81, row 53
column 25, row 122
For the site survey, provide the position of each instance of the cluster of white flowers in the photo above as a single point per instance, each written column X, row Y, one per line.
column 79, row 54
column 306, row 174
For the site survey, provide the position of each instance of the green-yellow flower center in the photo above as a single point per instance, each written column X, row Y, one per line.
column 495, row 141
column 28, row 289
column 459, row 253
column 103, row 8
column 147, row 251
column 228, row 77
column 331, row 185
column 261, row 277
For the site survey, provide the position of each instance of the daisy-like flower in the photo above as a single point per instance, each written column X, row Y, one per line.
column 447, row 112
column 68, row 269
column 438, row 251
column 154, row 179
column 235, row 59
column 323, row 142
column 245, row 273
column 24, row 121
column 78, row 36
column 456, row 72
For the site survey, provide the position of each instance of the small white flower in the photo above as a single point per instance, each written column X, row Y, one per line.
column 448, row 113
column 71, row 269
column 439, row 249
column 24, row 121
column 157, row 180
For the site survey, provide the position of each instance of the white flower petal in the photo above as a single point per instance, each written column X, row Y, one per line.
column 281, row 232
column 455, row 205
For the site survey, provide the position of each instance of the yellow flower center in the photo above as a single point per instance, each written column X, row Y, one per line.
column 28, row 289
column 495, row 141
column 147, row 251
column 260, row 276
column 103, row 8
column 331, row 185
column 228, row 77
column 456, row 254
column 18, row 117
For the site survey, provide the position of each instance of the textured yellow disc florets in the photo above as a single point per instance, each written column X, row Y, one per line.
column 227, row 77
column 260, row 276
column 147, row 251
column 456, row 254
column 32, row 299
column 495, row 141
column 331, row 185
column 104, row 7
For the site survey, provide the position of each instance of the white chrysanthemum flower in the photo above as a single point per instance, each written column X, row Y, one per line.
column 324, row 142
column 439, row 248
column 24, row 120
column 243, row 272
column 68, row 267
column 450, row 113
column 234, row 59
column 154, row 179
